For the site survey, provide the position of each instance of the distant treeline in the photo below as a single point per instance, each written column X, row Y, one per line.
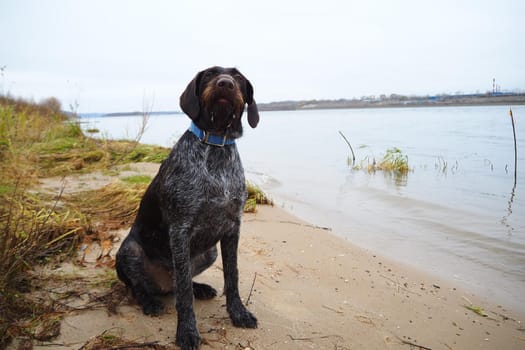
column 125, row 114
column 395, row 100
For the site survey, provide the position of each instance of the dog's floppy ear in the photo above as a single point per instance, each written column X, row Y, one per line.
column 253, row 112
column 189, row 100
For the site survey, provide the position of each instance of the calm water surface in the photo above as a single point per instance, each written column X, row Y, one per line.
column 457, row 214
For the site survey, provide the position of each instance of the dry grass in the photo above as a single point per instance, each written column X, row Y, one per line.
column 255, row 196
column 109, row 340
column 393, row 161
column 393, row 165
column 114, row 205
column 38, row 140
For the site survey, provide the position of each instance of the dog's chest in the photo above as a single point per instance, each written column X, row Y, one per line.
column 208, row 181
column 220, row 195
column 222, row 184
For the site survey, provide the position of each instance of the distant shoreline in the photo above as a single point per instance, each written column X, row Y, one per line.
column 392, row 101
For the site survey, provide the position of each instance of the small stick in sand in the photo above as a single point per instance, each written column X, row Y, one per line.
column 251, row 289
column 412, row 344
column 135, row 346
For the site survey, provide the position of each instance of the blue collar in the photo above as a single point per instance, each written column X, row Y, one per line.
column 210, row 139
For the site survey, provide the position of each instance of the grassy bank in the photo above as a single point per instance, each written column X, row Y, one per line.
column 38, row 141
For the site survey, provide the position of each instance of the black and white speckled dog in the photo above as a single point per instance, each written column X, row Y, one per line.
column 195, row 201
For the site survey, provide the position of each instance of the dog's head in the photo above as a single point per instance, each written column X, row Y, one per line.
column 215, row 101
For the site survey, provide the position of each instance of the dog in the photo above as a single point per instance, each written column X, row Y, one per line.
column 194, row 202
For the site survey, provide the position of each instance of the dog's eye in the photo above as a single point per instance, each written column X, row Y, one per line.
column 238, row 77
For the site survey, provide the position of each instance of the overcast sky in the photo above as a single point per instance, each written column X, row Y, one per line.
column 109, row 56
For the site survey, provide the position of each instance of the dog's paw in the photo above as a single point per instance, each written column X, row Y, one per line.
column 187, row 338
column 152, row 307
column 203, row 291
column 243, row 318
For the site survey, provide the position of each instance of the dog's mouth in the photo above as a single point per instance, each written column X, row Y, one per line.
column 222, row 112
column 224, row 102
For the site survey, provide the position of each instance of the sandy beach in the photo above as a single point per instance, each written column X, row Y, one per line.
column 309, row 289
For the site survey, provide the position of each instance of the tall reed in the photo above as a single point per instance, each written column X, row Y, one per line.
column 515, row 147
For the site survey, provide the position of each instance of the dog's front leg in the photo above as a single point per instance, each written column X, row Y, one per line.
column 239, row 315
column 188, row 337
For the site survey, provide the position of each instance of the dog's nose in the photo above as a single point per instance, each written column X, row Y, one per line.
column 225, row 82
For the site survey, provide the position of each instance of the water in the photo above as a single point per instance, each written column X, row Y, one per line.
column 457, row 214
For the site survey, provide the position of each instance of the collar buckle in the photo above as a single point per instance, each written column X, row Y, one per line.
column 213, row 141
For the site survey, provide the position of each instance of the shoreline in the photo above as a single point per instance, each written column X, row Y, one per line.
column 399, row 101
column 408, row 105
column 496, row 293
column 392, row 294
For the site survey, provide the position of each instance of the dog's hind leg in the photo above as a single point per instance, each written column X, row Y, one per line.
column 198, row 264
column 130, row 265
